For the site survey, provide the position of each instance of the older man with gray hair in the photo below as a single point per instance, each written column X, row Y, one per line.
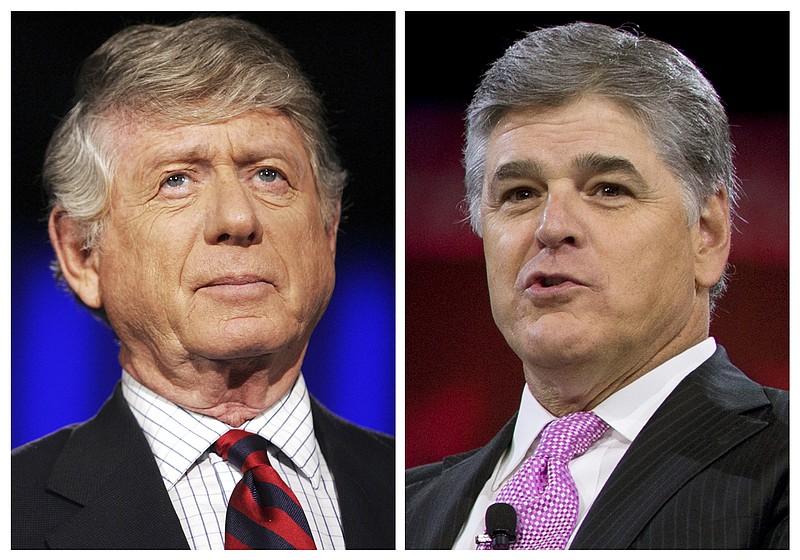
column 196, row 197
column 599, row 175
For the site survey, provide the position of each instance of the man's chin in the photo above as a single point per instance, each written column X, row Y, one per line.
column 249, row 342
column 553, row 344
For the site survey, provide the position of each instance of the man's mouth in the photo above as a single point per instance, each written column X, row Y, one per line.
column 550, row 281
column 237, row 287
column 544, row 287
column 235, row 280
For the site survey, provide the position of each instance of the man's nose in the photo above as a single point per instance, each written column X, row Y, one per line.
column 558, row 223
column 232, row 217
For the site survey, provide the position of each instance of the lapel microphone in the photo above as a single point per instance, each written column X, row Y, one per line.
column 501, row 526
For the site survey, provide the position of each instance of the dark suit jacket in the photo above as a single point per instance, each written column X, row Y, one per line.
column 710, row 469
column 96, row 485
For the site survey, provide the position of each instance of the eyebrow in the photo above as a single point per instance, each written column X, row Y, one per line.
column 597, row 164
column 518, row 169
column 189, row 154
column 584, row 164
column 203, row 155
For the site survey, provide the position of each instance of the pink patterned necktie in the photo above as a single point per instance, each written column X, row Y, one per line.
column 542, row 491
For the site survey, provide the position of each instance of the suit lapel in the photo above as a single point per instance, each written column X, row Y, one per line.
column 699, row 422
column 107, row 467
column 362, row 486
column 447, row 506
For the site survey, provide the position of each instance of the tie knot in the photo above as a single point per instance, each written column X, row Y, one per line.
column 242, row 449
column 571, row 435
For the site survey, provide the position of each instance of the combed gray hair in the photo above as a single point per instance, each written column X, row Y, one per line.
column 199, row 72
column 650, row 79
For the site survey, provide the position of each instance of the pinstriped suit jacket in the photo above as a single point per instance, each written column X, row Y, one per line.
column 710, row 470
column 97, row 486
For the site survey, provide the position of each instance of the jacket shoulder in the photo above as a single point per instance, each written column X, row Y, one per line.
column 362, row 462
column 327, row 422
column 35, row 510
column 780, row 404
column 420, row 476
column 33, row 461
column 420, row 480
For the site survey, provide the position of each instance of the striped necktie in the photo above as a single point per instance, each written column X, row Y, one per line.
column 263, row 512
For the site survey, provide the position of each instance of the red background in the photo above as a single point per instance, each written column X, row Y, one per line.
column 462, row 381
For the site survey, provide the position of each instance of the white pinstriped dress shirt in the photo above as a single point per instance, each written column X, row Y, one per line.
column 199, row 482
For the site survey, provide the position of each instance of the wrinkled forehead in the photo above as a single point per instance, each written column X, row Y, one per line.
column 497, row 115
column 154, row 138
column 586, row 125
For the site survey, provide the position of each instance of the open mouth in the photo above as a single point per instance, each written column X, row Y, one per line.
column 549, row 282
column 549, row 285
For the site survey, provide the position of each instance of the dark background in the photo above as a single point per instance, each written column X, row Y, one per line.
column 462, row 381
column 64, row 362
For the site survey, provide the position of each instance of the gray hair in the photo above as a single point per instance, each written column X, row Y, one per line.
column 199, row 72
column 650, row 79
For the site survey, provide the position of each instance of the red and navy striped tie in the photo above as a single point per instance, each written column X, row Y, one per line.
column 263, row 512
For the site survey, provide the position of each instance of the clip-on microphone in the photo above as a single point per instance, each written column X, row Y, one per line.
column 501, row 526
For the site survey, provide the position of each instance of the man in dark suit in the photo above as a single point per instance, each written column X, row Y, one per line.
column 599, row 175
column 195, row 200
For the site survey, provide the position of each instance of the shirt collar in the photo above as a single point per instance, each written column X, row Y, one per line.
column 626, row 411
column 179, row 437
column 629, row 409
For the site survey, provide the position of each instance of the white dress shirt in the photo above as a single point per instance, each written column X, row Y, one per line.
column 626, row 412
column 199, row 481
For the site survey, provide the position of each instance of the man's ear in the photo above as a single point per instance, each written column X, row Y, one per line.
column 713, row 243
column 333, row 229
column 79, row 266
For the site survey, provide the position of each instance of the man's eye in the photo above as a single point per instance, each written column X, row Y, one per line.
column 270, row 175
column 611, row 190
column 177, row 180
column 520, row 194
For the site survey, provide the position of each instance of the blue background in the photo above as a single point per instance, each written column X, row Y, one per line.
column 64, row 362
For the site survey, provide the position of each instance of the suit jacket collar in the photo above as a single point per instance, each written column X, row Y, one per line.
column 362, row 488
column 129, row 475
column 706, row 415
column 125, row 476
column 711, row 411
